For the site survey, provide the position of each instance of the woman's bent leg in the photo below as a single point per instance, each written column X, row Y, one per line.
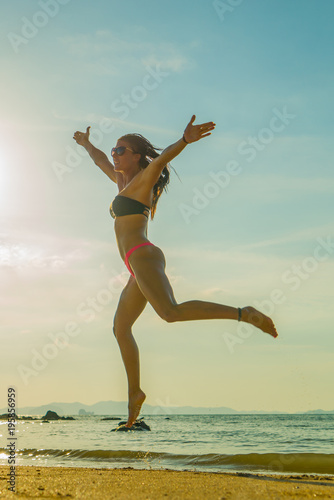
column 130, row 306
column 149, row 263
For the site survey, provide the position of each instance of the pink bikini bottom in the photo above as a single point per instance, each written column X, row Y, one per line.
column 126, row 260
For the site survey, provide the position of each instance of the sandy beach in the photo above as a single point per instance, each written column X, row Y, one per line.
column 58, row 482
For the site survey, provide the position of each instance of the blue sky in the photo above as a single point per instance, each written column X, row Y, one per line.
column 250, row 222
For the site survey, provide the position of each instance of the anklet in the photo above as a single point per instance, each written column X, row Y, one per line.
column 239, row 314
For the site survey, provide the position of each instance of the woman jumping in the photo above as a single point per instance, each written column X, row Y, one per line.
column 141, row 174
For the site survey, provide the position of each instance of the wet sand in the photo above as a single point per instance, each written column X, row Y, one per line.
column 86, row 483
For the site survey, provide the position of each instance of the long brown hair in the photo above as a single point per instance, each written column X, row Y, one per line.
column 147, row 152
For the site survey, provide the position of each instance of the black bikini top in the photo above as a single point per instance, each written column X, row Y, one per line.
column 122, row 205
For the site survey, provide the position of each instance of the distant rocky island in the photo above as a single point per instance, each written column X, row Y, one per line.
column 82, row 411
column 50, row 415
column 110, row 409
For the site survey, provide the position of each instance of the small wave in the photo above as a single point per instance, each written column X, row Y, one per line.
column 311, row 463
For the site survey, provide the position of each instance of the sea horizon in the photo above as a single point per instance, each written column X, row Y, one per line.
column 114, row 407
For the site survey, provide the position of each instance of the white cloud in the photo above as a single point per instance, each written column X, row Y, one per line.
column 304, row 235
column 280, row 188
column 107, row 53
column 174, row 62
column 34, row 250
column 243, row 253
column 97, row 119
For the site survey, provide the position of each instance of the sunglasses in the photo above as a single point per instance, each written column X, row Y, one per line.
column 120, row 150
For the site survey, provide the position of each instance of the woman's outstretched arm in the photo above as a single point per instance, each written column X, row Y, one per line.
column 192, row 133
column 99, row 158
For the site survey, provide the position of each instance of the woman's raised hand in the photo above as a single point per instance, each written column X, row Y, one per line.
column 82, row 138
column 193, row 133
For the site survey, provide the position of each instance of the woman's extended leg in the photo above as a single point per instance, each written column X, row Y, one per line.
column 131, row 304
column 148, row 264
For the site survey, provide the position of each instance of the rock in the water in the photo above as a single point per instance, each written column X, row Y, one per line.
column 111, row 418
column 139, row 425
column 51, row 415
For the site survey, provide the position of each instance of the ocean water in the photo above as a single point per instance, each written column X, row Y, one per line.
column 282, row 444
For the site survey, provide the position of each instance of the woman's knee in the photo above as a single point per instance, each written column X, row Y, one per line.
column 114, row 329
column 121, row 330
column 120, row 327
column 170, row 313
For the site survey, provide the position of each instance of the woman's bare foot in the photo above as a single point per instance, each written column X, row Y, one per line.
column 254, row 317
column 135, row 403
